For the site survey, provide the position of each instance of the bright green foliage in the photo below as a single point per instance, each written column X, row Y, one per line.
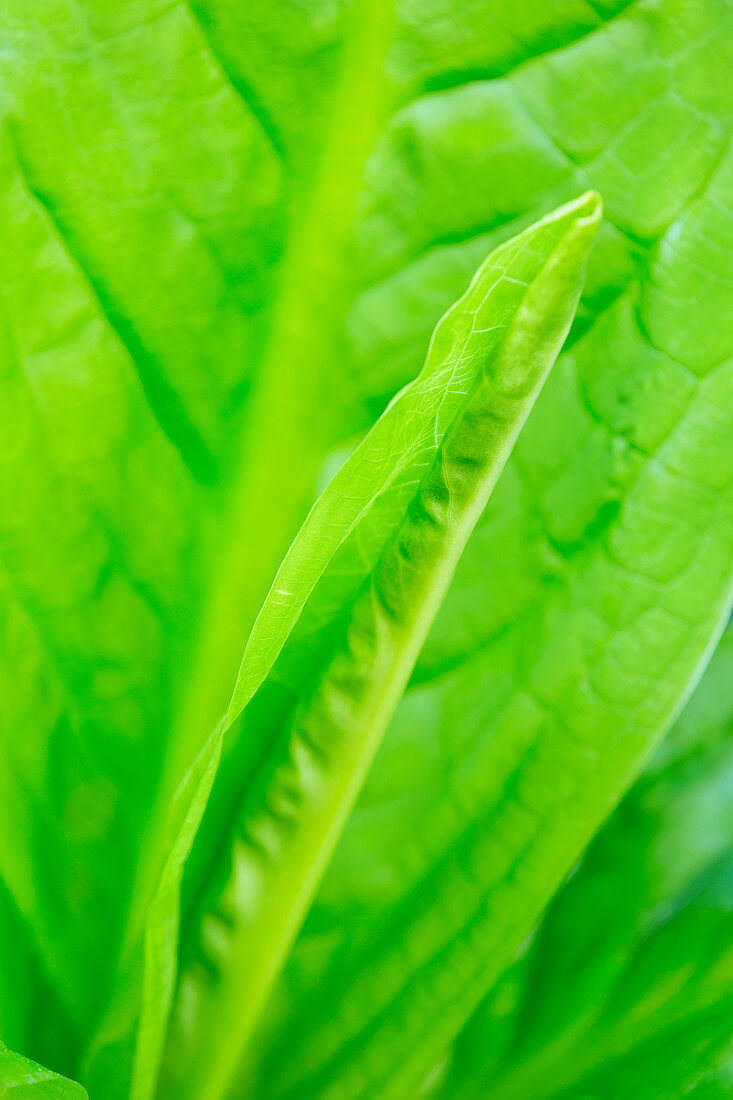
column 229, row 229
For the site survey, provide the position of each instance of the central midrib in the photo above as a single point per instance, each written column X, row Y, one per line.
column 284, row 439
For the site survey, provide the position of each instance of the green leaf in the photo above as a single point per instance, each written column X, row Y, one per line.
column 96, row 561
column 228, row 231
column 154, row 298
column 22, row 1078
column 629, row 976
column 394, row 522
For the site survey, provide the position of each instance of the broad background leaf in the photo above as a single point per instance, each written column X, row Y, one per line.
column 629, row 976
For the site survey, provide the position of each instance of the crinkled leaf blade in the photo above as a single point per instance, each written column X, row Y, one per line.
column 393, row 522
